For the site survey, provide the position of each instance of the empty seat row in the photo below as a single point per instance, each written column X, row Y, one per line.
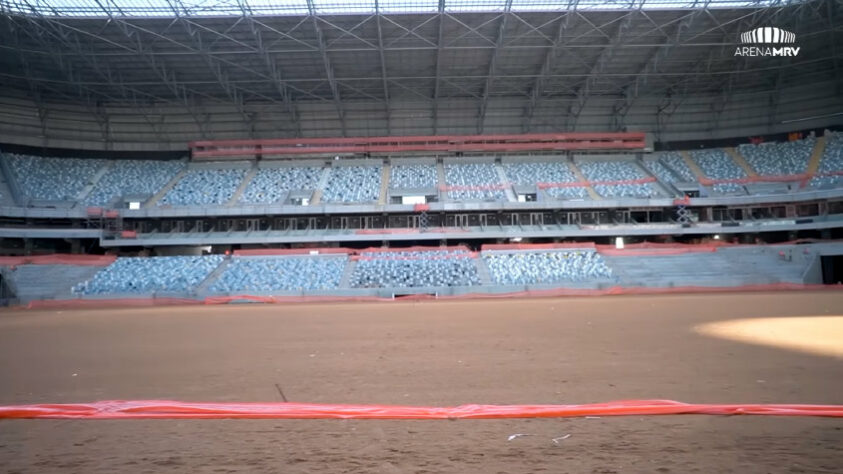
column 525, row 173
column 526, row 268
column 270, row 185
column 779, row 158
column 644, row 190
column 268, row 274
column 132, row 178
column 204, row 187
column 830, row 162
column 674, row 161
column 610, row 170
column 353, row 184
column 413, row 176
column 145, row 275
column 414, row 270
column 52, row 179
column 473, row 182
column 717, row 164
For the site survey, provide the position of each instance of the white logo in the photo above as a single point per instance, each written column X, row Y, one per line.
column 767, row 35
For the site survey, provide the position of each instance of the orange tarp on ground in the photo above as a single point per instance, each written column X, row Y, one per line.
column 165, row 409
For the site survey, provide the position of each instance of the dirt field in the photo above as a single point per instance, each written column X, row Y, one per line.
column 572, row 350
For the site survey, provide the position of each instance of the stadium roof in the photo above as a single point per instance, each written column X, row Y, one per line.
column 169, row 8
column 387, row 52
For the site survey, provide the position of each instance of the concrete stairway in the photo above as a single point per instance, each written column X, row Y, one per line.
column 580, row 177
column 167, row 187
column 243, row 185
column 202, row 288
column 346, row 273
column 320, row 186
column 483, row 271
column 695, row 168
column 94, row 180
column 816, row 156
column 386, row 173
column 739, row 159
column 510, row 194
column 35, row 282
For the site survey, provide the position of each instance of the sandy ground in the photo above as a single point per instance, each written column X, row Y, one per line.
column 571, row 350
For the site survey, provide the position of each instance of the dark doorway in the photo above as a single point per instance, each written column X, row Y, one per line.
column 832, row 269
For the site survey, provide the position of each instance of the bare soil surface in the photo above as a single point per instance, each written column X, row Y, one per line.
column 554, row 350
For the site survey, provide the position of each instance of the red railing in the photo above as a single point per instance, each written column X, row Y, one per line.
column 206, row 149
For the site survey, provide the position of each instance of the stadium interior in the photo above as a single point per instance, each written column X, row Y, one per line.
column 516, row 210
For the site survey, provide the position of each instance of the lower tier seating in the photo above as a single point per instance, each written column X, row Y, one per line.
column 145, row 275
column 267, row 274
column 526, row 268
column 414, row 270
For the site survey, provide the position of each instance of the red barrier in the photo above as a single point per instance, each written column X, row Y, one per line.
column 301, row 251
column 166, row 409
column 416, row 248
column 579, row 184
column 109, row 303
column 551, row 246
column 549, row 293
column 60, row 259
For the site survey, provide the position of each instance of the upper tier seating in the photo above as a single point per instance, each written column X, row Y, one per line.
column 563, row 192
column 676, row 163
column 831, row 162
column 644, row 190
column 728, row 188
column 660, row 171
column 526, row 268
column 204, row 186
column 779, row 158
column 610, row 170
column 349, row 184
column 617, row 171
column 270, row 185
column 414, row 269
column 267, row 274
column 413, row 176
column 52, row 179
column 478, row 182
column 542, row 172
column 150, row 274
column 133, row 177
column 717, row 164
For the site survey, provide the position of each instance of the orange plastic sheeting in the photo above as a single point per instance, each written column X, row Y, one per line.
column 417, row 248
column 301, row 251
column 579, row 184
column 551, row 246
column 108, row 303
column 60, row 259
column 479, row 187
column 165, row 409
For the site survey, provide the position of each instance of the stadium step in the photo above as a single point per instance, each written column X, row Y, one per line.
column 663, row 188
column 440, row 176
column 816, row 156
column 346, row 273
column 320, row 186
column 243, row 184
column 695, row 168
column 739, row 159
column 510, row 194
column 166, row 189
column 591, row 192
column 97, row 177
column 483, row 271
column 201, row 288
column 386, row 172
column 8, row 194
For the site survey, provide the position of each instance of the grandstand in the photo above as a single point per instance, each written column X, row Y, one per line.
column 437, row 185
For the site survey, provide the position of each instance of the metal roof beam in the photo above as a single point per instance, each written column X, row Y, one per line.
column 383, row 69
column 329, row 70
column 547, row 65
column 606, row 55
column 439, row 46
column 490, row 77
